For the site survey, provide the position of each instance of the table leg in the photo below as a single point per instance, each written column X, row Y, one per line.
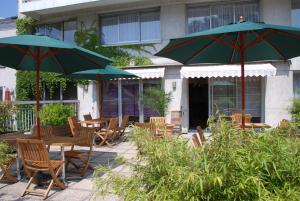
column 18, row 166
column 63, row 174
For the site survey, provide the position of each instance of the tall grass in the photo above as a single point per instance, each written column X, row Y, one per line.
column 235, row 165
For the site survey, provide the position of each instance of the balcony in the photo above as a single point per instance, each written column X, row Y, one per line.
column 36, row 8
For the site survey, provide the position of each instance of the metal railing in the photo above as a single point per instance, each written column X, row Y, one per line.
column 24, row 117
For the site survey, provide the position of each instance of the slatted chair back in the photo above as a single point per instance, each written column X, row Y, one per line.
column 113, row 123
column 237, row 118
column 196, row 141
column 87, row 117
column 74, row 125
column 124, row 121
column 33, row 153
column 284, row 123
column 46, row 131
column 158, row 120
column 85, row 137
column 201, row 135
column 142, row 125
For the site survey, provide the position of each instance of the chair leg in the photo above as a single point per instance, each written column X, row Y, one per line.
column 27, row 186
column 6, row 174
column 48, row 189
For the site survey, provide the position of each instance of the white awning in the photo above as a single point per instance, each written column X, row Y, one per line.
column 251, row 70
column 148, row 73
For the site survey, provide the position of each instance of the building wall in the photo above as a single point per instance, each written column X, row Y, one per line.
column 7, row 75
column 173, row 24
column 279, row 88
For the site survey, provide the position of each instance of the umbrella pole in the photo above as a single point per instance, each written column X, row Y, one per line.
column 38, row 65
column 242, row 60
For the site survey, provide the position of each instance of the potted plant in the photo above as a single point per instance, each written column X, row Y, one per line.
column 156, row 99
column 56, row 116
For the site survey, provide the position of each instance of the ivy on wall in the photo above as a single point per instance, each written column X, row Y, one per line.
column 84, row 37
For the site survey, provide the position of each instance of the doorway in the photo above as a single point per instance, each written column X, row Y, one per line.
column 198, row 102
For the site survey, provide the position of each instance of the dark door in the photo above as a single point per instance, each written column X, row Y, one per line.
column 198, row 102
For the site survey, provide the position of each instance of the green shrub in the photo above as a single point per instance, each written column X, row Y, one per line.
column 235, row 165
column 7, row 110
column 5, row 153
column 295, row 111
column 157, row 100
column 56, row 114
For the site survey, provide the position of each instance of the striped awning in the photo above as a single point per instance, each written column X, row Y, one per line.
column 148, row 73
column 251, row 70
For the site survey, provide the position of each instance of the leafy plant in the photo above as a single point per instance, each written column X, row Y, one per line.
column 56, row 114
column 157, row 100
column 295, row 111
column 25, row 25
column 89, row 39
column 7, row 110
column 5, row 153
column 235, row 165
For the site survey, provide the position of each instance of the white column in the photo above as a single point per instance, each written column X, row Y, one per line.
column 141, row 105
column 120, row 101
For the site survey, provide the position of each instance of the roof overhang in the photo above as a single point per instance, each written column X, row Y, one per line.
column 251, row 70
column 148, row 73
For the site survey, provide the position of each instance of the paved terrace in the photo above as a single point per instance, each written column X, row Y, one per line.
column 78, row 189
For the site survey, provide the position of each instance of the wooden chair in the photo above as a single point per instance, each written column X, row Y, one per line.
column 158, row 126
column 46, row 132
column 74, row 125
column 284, row 123
column 35, row 159
column 6, row 176
column 108, row 135
column 86, row 139
column 142, row 125
column 201, row 135
column 121, row 130
column 158, row 120
column 237, row 118
column 196, row 141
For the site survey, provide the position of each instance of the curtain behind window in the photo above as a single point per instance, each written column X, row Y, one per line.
column 69, row 31
column 1, row 93
column 129, row 28
column 110, row 29
column 295, row 13
column 198, row 19
column 150, row 26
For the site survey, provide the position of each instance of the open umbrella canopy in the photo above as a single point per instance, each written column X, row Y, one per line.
column 42, row 53
column 236, row 43
column 222, row 45
column 21, row 52
column 107, row 73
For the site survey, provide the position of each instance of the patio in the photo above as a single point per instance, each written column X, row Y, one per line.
column 78, row 189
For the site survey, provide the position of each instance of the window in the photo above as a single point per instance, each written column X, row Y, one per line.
column 110, row 99
column 296, row 85
column 295, row 13
column 202, row 18
column 1, row 93
column 135, row 27
column 62, row 31
column 130, row 98
column 150, row 83
column 225, row 96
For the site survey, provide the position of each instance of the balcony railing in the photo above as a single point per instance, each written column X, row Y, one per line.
column 24, row 117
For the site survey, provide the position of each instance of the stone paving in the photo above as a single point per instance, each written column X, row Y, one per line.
column 78, row 189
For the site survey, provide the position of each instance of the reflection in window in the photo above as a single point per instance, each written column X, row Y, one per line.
column 296, row 85
column 295, row 13
column 202, row 18
column 110, row 99
column 225, row 96
column 130, row 98
column 134, row 27
column 61, row 31
column 151, row 83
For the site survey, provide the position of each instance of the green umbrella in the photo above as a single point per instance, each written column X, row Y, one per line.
column 42, row 53
column 236, row 43
column 106, row 73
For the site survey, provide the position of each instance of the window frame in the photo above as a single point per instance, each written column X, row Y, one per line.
column 61, row 26
column 139, row 12
column 210, row 5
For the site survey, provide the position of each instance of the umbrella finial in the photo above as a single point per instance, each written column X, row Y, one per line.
column 242, row 19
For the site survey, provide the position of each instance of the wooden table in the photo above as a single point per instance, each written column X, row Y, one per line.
column 95, row 122
column 256, row 125
column 62, row 142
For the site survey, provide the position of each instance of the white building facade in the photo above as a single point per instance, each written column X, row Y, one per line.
column 7, row 75
column 196, row 93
